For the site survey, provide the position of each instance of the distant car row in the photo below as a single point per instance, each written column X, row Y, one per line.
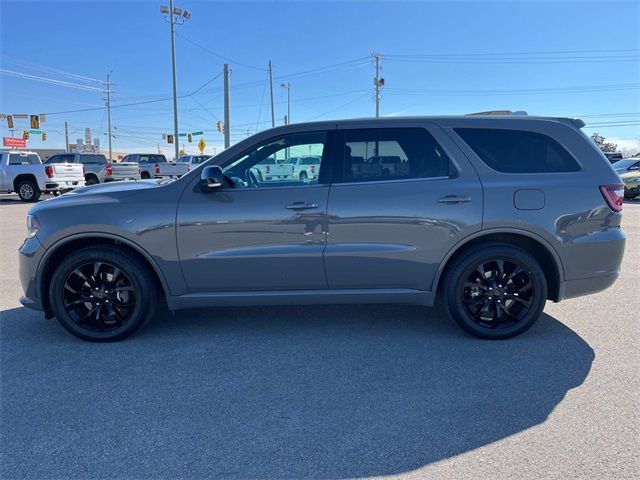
column 629, row 171
column 24, row 173
column 304, row 169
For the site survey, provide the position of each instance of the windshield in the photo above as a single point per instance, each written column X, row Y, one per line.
column 23, row 159
column 624, row 164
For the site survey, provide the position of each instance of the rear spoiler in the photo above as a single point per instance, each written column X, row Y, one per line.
column 577, row 122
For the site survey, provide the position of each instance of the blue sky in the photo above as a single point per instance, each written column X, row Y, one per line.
column 551, row 58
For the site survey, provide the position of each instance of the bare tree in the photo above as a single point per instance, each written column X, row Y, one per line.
column 600, row 141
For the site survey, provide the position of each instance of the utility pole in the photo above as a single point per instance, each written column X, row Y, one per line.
column 176, row 16
column 175, row 89
column 378, row 83
column 108, row 111
column 273, row 112
column 66, row 137
column 227, row 126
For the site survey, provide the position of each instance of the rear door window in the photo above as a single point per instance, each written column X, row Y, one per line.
column 23, row 159
column 380, row 154
column 518, row 151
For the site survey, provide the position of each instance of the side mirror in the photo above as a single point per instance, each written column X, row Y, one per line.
column 211, row 178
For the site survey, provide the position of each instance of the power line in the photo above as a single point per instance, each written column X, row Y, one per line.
column 52, row 81
column 218, row 55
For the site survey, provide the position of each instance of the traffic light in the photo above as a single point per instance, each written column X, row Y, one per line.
column 9, row 121
column 35, row 122
column 25, row 135
column 169, row 138
column 220, row 126
column 189, row 138
column 44, row 136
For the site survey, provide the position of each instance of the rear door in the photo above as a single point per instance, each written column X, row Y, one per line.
column 391, row 223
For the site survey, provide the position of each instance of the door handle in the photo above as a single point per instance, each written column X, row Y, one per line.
column 454, row 199
column 301, row 206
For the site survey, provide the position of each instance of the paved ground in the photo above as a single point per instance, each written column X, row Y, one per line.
column 323, row 392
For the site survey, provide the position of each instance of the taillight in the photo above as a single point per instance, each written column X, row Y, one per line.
column 614, row 195
column 139, row 170
column 49, row 171
column 157, row 169
column 188, row 167
column 313, row 169
column 109, row 170
column 292, row 169
column 84, row 171
column 267, row 169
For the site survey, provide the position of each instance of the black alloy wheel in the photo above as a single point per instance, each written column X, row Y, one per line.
column 103, row 293
column 494, row 291
column 99, row 297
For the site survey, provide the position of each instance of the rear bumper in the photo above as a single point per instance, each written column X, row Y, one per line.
column 586, row 286
column 62, row 184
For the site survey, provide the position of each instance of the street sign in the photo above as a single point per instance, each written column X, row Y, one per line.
column 14, row 142
column 201, row 145
column 197, row 133
column 35, row 132
column 182, row 134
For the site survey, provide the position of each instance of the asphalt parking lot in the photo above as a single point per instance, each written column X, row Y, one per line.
column 323, row 392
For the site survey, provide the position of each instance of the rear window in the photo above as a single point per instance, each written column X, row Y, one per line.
column 310, row 160
column 61, row 159
column 518, row 151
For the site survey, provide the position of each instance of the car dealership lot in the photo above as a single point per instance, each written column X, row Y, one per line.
column 323, row 392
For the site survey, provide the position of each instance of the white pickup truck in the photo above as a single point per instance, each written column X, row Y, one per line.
column 23, row 172
column 153, row 165
column 269, row 170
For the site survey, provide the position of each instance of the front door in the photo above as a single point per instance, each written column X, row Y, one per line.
column 256, row 234
column 405, row 196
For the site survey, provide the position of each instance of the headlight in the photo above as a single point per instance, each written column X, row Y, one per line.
column 33, row 225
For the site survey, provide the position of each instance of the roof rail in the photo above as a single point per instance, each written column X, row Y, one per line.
column 500, row 112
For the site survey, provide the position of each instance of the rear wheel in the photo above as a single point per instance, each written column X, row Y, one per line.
column 495, row 292
column 28, row 191
column 102, row 294
column 145, row 176
column 628, row 195
column 91, row 180
column 303, row 176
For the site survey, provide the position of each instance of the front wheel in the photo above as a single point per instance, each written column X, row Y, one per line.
column 495, row 291
column 102, row 294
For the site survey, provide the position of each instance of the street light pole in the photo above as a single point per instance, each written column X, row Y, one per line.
column 288, row 87
column 175, row 14
column 108, row 113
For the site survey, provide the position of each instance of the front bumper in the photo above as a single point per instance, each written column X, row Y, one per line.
column 29, row 257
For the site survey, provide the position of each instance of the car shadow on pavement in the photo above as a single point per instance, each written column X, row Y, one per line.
column 278, row 392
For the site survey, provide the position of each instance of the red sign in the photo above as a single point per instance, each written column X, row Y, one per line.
column 14, row 142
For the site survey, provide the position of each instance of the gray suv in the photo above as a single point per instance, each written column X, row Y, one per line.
column 496, row 214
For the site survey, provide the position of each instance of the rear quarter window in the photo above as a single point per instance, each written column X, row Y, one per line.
column 518, row 151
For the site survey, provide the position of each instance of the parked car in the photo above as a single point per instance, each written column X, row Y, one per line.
column 193, row 160
column 96, row 167
column 23, row 172
column 627, row 165
column 270, row 170
column 631, row 181
column 305, row 168
column 613, row 157
column 495, row 214
column 156, row 166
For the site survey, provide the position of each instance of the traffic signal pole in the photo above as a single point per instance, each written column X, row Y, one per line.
column 108, row 113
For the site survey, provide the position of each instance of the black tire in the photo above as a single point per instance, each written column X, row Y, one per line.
column 28, row 191
column 112, row 314
column 502, row 303
column 145, row 176
column 629, row 196
column 91, row 180
column 303, row 176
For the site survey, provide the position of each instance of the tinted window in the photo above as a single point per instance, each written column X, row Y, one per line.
column 159, row 159
column 392, row 154
column 200, row 159
column 61, row 159
column 518, row 151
